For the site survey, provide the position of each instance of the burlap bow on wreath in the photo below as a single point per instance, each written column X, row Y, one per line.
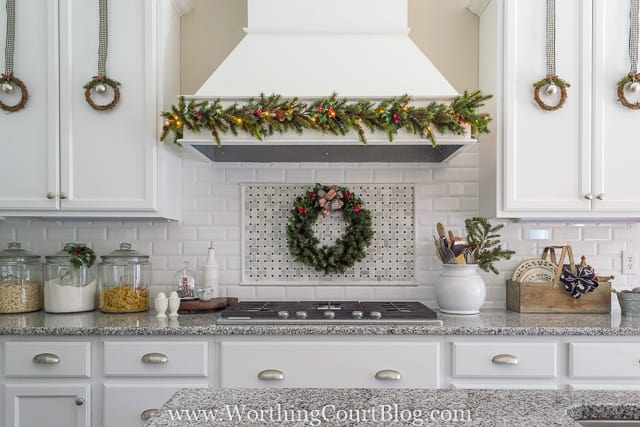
column 330, row 201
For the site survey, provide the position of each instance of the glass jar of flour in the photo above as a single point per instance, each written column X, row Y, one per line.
column 70, row 284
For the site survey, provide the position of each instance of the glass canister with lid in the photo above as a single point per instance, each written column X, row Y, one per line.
column 124, row 278
column 70, row 280
column 20, row 280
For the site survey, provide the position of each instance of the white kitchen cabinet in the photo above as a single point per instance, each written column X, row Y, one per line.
column 45, row 359
column 575, row 162
column 604, row 360
column 504, row 360
column 37, row 405
column 65, row 159
column 329, row 364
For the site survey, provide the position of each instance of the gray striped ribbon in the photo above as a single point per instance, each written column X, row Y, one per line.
column 551, row 37
column 11, row 37
column 103, row 43
column 633, row 35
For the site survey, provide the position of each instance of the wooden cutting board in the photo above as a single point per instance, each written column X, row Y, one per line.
column 197, row 306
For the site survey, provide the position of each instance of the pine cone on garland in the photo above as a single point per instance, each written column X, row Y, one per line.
column 281, row 115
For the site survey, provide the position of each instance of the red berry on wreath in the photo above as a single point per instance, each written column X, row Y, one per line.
column 314, row 196
column 356, row 209
column 347, row 195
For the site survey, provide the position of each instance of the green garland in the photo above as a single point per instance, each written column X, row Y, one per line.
column 348, row 249
column 80, row 255
column 267, row 115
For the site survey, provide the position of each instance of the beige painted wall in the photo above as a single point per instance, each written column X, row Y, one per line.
column 445, row 31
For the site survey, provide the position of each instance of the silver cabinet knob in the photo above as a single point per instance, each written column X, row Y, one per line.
column 301, row 314
column 271, row 375
column 357, row 314
column 79, row 401
column 284, row 314
column 63, row 195
column 46, row 359
column 375, row 315
column 504, row 359
column 588, row 196
column 388, row 375
column 600, row 196
column 51, row 195
column 154, row 358
column 329, row 314
column 147, row 413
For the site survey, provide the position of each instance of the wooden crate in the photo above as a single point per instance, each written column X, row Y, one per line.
column 543, row 298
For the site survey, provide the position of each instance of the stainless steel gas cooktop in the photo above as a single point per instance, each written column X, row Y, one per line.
column 329, row 312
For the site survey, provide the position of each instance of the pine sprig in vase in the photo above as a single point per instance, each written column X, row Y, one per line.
column 483, row 238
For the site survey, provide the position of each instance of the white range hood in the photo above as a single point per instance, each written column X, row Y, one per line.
column 359, row 49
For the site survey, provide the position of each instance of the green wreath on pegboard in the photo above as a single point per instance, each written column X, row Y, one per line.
column 349, row 249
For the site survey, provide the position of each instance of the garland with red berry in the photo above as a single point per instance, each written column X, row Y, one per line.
column 349, row 249
column 268, row 115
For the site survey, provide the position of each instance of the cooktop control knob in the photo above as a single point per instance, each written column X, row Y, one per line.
column 284, row 314
column 357, row 314
column 301, row 314
column 329, row 314
column 375, row 315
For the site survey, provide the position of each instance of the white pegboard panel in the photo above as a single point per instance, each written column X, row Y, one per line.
column 265, row 255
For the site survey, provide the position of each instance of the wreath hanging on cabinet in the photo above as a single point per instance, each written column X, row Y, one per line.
column 347, row 250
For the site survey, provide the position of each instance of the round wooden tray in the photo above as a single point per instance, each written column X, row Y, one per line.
column 197, row 306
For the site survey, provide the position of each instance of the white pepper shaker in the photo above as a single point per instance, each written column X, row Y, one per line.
column 161, row 303
column 174, row 304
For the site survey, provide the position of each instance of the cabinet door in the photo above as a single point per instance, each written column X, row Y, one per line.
column 546, row 153
column 37, row 405
column 29, row 137
column 616, row 148
column 130, row 405
column 108, row 159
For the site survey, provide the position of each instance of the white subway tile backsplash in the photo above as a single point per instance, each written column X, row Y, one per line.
column 211, row 213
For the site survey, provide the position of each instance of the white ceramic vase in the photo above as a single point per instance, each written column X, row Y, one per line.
column 460, row 289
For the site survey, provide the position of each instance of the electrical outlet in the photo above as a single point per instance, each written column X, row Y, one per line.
column 629, row 262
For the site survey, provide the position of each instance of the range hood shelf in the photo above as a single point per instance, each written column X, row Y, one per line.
column 308, row 151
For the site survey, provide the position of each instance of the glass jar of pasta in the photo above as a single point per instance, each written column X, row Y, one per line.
column 20, row 280
column 124, row 278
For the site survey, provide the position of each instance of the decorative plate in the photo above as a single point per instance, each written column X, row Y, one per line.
column 528, row 264
column 536, row 275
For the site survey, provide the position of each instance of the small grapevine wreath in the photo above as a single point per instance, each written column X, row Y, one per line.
column 349, row 249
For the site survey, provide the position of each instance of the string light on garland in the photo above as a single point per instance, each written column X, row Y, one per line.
column 349, row 249
column 267, row 115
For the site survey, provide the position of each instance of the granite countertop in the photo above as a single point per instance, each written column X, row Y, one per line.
column 489, row 322
column 342, row 407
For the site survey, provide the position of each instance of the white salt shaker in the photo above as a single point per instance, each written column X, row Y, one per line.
column 161, row 303
column 174, row 304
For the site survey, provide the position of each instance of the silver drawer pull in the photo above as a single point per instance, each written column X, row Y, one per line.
column 148, row 413
column 505, row 359
column 155, row 358
column 388, row 375
column 46, row 359
column 271, row 375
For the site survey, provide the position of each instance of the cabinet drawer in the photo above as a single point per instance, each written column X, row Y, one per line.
column 47, row 359
column 329, row 364
column 155, row 359
column 597, row 360
column 128, row 405
column 535, row 360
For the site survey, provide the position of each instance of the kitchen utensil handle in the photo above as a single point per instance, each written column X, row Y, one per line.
column 155, row 358
column 271, row 375
column 504, row 359
column 388, row 375
column 46, row 359
column 148, row 413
